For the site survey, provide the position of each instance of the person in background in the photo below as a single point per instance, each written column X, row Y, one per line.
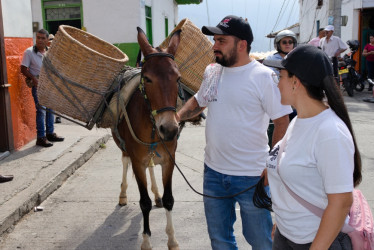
column 30, row 68
column 317, row 160
column 240, row 94
column 315, row 41
column 284, row 42
column 333, row 46
column 50, row 40
column 368, row 53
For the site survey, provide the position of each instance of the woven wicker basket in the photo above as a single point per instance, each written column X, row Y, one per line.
column 194, row 53
column 77, row 71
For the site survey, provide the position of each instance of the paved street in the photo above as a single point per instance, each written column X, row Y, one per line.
column 83, row 213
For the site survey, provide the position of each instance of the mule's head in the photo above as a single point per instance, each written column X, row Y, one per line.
column 160, row 77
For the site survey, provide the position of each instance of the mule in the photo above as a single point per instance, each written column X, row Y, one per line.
column 152, row 117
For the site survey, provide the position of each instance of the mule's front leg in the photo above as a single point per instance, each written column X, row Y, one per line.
column 145, row 204
column 168, row 202
column 123, row 196
column 154, row 187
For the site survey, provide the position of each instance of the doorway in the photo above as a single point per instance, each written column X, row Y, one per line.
column 62, row 12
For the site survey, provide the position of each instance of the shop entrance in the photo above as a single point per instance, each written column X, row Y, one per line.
column 62, row 12
column 367, row 28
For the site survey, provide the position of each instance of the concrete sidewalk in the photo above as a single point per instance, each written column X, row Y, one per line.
column 39, row 171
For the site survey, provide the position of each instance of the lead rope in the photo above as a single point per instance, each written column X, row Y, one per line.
column 189, row 184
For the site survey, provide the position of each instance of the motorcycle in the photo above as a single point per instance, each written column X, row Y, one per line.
column 351, row 79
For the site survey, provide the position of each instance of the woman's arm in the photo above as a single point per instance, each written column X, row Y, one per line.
column 365, row 52
column 332, row 220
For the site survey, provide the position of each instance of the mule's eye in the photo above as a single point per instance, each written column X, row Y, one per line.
column 147, row 80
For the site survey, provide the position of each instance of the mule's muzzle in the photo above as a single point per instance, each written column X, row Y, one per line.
column 168, row 132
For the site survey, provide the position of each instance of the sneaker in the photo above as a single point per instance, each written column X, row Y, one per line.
column 54, row 137
column 58, row 119
column 42, row 141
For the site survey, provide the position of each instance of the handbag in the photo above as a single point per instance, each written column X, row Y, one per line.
column 360, row 227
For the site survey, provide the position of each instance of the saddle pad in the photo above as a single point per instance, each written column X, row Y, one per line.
column 113, row 112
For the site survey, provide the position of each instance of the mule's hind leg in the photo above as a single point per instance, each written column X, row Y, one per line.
column 154, row 187
column 123, row 196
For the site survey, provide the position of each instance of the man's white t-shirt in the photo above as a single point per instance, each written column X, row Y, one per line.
column 238, row 118
column 332, row 46
column 318, row 159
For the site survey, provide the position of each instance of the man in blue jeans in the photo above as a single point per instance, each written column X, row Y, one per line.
column 30, row 68
column 241, row 95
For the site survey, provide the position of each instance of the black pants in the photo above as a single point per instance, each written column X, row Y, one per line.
column 342, row 242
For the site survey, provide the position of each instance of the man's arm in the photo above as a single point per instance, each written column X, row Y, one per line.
column 280, row 128
column 189, row 110
column 25, row 71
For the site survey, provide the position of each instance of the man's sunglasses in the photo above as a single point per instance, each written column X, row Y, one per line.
column 289, row 42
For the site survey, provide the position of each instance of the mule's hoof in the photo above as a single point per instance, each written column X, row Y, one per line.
column 122, row 202
column 173, row 247
column 159, row 202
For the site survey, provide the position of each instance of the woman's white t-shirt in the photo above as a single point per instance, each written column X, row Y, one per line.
column 318, row 159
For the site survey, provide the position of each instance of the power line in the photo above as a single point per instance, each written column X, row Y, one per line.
column 276, row 22
column 291, row 13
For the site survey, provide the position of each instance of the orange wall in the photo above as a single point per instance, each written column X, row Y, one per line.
column 22, row 103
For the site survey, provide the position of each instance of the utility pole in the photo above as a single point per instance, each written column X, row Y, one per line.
column 335, row 16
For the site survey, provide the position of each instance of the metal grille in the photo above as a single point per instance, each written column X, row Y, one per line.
column 63, row 13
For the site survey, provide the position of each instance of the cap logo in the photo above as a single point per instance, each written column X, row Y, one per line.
column 225, row 22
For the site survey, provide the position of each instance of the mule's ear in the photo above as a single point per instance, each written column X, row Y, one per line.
column 145, row 47
column 174, row 42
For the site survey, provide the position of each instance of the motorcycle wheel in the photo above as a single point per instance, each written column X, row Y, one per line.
column 348, row 87
column 359, row 86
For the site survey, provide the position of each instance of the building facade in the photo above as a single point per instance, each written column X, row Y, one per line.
column 352, row 19
column 114, row 21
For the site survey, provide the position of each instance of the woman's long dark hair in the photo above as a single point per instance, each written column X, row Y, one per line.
column 336, row 103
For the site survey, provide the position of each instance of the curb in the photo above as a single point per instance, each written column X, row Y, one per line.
column 40, row 195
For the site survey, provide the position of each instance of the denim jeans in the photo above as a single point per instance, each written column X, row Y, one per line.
column 342, row 242
column 42, row 117
column 220, row 213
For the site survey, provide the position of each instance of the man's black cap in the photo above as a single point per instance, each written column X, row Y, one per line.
column 231, row 25
column 310, row 64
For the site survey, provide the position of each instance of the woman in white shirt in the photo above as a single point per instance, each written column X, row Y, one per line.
column 318, row 161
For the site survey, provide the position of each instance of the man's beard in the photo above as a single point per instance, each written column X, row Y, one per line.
column 229, row 59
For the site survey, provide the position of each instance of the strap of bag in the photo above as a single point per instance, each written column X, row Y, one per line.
column 312, row 208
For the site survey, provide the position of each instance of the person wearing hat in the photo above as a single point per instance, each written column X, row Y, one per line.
column 284, row 42
column 333, row 46
column 241, row 95
column 317, row 160
column 30, row 67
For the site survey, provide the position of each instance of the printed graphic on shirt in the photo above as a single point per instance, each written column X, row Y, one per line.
column 272, row 159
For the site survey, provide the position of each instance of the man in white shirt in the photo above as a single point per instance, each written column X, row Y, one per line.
column 333, row 46
column 241, row 95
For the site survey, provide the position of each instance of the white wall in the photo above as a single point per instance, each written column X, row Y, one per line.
column 309, row 14
column 350, row 31
column 36, row 8
column 114, row 21
column 17, row 19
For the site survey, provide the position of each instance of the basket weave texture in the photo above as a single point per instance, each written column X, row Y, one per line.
column 194, row 53
column 77, row 71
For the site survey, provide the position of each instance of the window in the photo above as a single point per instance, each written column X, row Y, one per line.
column 148, row 23
column 166, row 27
